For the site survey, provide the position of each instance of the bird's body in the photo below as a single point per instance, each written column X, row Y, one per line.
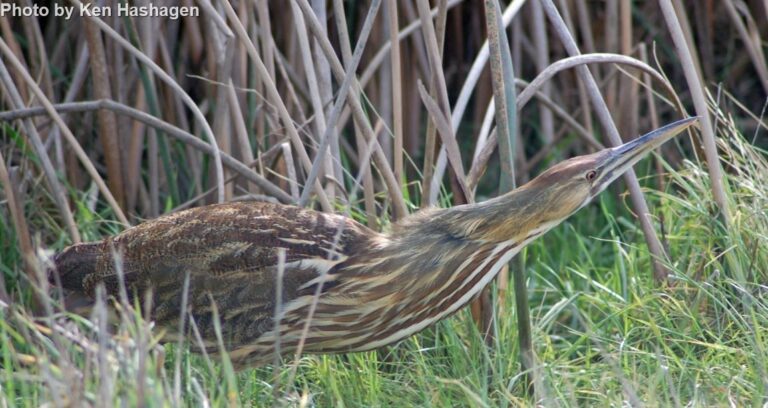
column 230, row 252
column 355, row 288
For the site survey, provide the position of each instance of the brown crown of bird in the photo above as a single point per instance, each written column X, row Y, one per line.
column 277, row 275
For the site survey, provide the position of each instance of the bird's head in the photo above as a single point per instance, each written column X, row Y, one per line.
column 573, row 183
column 565, row 187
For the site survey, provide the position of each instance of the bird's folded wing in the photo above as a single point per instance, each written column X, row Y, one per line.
column 234, row 256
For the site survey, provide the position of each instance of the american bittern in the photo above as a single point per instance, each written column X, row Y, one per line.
column 371, row 289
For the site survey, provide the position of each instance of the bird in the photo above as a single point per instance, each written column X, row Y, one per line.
column 279, row 277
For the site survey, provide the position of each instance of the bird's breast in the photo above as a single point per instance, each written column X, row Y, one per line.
column 403, row 302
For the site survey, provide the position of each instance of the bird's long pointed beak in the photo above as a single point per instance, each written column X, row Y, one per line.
column 652, row 140
column 625, row 156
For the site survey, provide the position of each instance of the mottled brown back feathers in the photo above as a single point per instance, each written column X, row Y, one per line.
column 230, row 252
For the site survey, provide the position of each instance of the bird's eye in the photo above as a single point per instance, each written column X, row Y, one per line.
column 591, row 175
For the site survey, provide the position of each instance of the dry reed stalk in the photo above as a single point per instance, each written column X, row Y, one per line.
column 660, row 272
column 395, row 194
column 506, row 109
column 466, row 92
column 750, row 36
column 319, row 119
column 276, row 100
column 10, row 38
column 107, row 124
column 629, row 102
column 341, row 97
column 149, row 63
column 57, row 190
column 696, row 87
column 430, row 141
column 334, row 171
column 241, row 132
column 345, row 45
column 171, row 130
column 542, row 47
column 19, row 225
column 397, row 90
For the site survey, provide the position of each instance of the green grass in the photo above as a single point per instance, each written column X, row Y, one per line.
column 604, row 332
